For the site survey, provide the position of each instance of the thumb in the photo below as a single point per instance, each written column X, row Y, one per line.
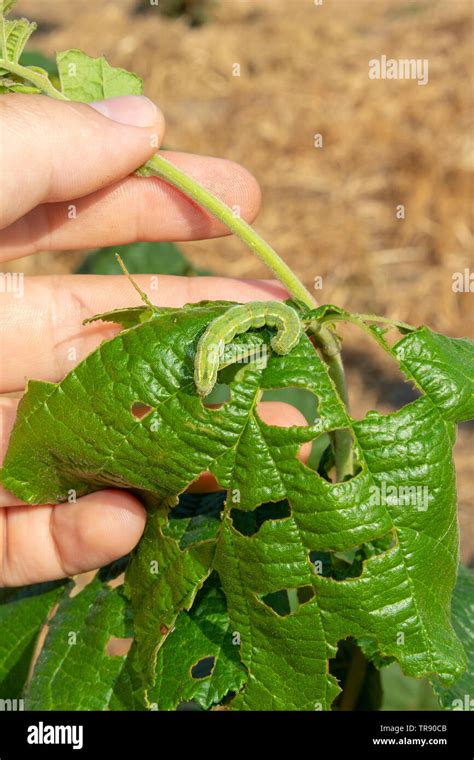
column 53, row 150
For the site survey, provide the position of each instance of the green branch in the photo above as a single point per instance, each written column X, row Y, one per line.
column 354, row 681
column 42, row 82
column 159, row 167
column 325, row 339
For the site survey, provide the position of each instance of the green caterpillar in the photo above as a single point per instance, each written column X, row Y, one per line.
column 210, row 355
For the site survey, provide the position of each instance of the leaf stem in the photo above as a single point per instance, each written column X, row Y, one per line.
column 357, row 318
column 40, row 81
column 387, row 321
column 325, row 339
column 159, row 167
column 354, row 681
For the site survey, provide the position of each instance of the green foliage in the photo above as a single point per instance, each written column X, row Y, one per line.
column 23, row 613
column 267, row 596
column 73, row 671
column 16, row 35
column 39, row 60
column 202, row 634
column 460, row 696
column 81, row 77
column 139, row 258
column 402, row 693
column 82, row 434
column 86, row 79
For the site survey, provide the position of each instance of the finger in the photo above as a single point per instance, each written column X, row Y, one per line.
column 135, row 208
column 8, row 409
column 40, row 543
column 271, row 412
column 61, row 150
column 43, row 329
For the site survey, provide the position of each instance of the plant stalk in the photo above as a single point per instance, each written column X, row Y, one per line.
column 354, row 681
column 40, row 81
column 159, row 167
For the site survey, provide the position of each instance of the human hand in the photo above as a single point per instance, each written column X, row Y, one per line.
column 54, row 156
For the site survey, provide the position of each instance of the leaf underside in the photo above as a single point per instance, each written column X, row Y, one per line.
column 86, row 79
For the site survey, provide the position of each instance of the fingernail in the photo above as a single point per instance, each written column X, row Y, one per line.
column 134, row 110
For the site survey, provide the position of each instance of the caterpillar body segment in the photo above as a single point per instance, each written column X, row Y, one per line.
column 235, row 321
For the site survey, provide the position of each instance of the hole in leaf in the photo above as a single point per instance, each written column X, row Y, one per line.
column 140, row 410
column 283, row 414
column 118, row 647
column 321, row 458
column 311, row 452
column 116, row 582
column 374, row 378
column 219, row 395
column 81, row 581
column 203, row 668
column 205, row 483
column 192, row 530
column 39, row 643
column 192, row 505
column 301, row 399
column 113, row 574
column 358, row 678
column 349, row 563
column 196, row 518
column 321, row 562
column 286, row 601
column 249, row 523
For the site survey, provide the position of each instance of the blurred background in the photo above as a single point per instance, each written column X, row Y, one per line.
column 330, row 211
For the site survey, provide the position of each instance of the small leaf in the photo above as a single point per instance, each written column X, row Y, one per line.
column 25, row 89
column 23, row 613
column 126, row 317
column 139, row 258
column 460, row 696
column 15, row 36
column 326, row 310
column 443, row 368
column 86, row 79
column 73, row 671
column 6, row 6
